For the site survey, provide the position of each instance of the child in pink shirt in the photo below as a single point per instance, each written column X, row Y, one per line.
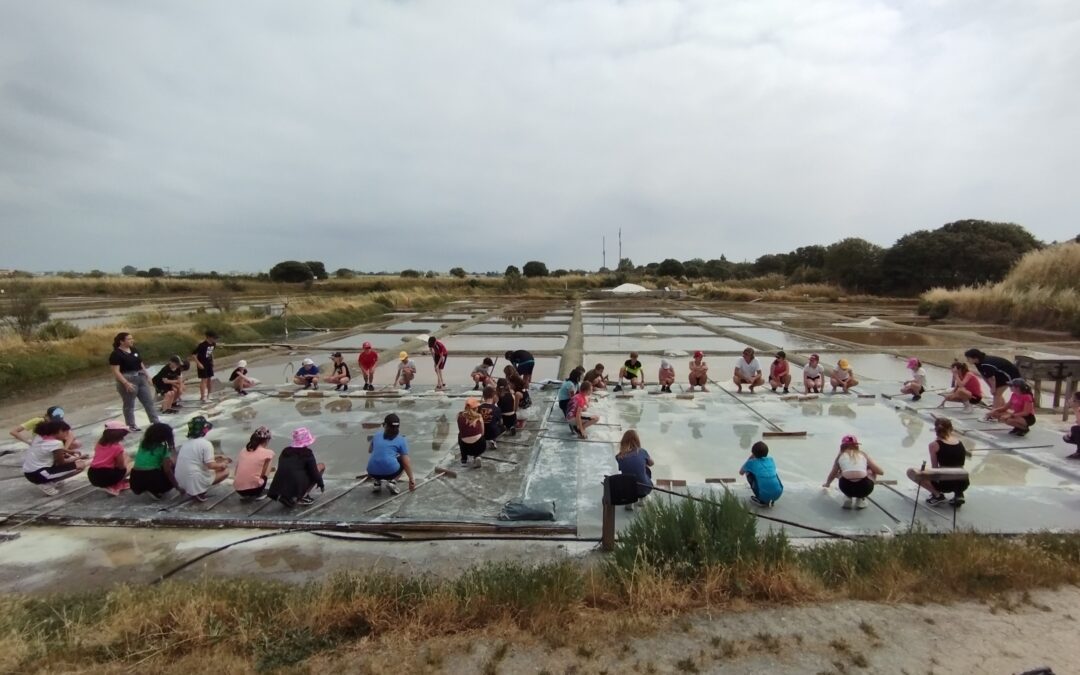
column 109, row 467
column 253, row 465
column 1019, row 411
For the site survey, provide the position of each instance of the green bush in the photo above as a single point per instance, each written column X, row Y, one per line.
column 58, row 329
column 683, row 536
column 924, row 307
column 939, row 310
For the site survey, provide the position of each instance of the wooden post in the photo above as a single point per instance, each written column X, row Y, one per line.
column 607, row 537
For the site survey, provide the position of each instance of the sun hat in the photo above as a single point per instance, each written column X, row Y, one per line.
column 241, row 363
column 116, row 425
column 843, row 363
column 198, row 426
column 665, row 364
column 302, row 438
column 366, row 345
column 848, row 441
column 308, row 362
column 472, row 403
column 55, row 413
column 403, row 355
column 698, row 355
column 913, row 363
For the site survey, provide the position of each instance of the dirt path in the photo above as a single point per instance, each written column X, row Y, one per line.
column 1014, row 636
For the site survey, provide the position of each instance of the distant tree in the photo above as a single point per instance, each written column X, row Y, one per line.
column 670, row 268
column 129, row 270
column 625, row 265
column 511, row 270
column 603, row 270
column 291, row 272
column 719, row 270
column 805, row 256
column 512, row 279
column 142, row 274
column 25, row 312
column 95, row 274
column 410, row 274
column 344, row 273
column 855, row 264
column 155, row 272
column 771, row 263
column 534, row 268
column 651, row 268
column 458, row 272
column 318, row 269
column 694, row 269
column 560, row 273
column 431, row 274
column 928, row 258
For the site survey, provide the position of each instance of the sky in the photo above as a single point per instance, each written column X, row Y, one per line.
column 382, row 135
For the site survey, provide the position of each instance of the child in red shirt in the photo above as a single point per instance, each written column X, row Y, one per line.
column 1019, row 412
column 367, row 360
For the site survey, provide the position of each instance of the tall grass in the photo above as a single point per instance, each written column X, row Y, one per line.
column 1041, row 291
column 673, row 559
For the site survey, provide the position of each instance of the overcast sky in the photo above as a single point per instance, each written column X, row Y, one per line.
column 431, row 134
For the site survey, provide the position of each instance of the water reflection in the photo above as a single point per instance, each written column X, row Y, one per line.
column 442, row 431
column 309, row 408
column 747, row 434
column 840, row 410
column 341, row 405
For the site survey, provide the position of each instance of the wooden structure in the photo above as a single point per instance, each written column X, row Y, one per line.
column 1059, row 370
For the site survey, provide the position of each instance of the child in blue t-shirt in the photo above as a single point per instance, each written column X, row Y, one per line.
column 760, row 472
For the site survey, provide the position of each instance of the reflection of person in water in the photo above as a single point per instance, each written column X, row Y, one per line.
column 442, row 430
column 747, row 434
column 841, row 410
column 812, row 409
column 914, row 427
column 695, row 428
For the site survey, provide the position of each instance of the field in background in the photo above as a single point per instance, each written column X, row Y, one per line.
column 1041, row 291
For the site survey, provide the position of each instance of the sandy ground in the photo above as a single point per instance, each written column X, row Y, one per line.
column 1026, row 632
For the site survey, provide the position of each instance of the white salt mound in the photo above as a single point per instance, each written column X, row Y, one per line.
column 865, row 323
column 629, row 288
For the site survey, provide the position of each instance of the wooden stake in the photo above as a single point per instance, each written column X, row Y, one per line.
column 333, row 499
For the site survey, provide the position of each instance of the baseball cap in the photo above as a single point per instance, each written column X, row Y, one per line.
column 55, row 413
column 843, row 363
column 392, row 420
column 366, row 345
column 336, row 355
column 848, row 440
column 116, row 425
column 308, row 362
column 241, row 363
column 698, row 355
column 403, row 355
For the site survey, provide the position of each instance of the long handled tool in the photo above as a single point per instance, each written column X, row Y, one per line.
column 363, row 479
column 915, row 502
column 439, row 473
column 917, row 490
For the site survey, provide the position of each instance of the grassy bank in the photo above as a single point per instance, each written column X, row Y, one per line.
column 25, row 366
column 1041, row 291
column 675, row 558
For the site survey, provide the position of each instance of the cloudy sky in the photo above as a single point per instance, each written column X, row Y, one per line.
column 383, row 134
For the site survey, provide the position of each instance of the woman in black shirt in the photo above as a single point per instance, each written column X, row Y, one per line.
column 132, row 380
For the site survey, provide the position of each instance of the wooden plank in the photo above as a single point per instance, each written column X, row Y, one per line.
column 781, row 434
column 720, row 480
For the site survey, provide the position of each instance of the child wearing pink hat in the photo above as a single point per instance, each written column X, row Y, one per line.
column 917, row 384
column 856, row 471
column 699, row 371
column 109, row 467
column 297, row 472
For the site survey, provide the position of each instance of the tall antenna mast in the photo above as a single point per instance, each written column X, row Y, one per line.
column 603, row 251
column 620, row 248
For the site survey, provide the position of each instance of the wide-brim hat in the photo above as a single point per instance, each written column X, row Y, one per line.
column 302, row 438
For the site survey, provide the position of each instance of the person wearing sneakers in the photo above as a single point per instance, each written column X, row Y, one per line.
column 46, row 463
column 109, row 467
column 471, row 433
column 843, row 377
column 856, row 471
column 253, row 465
column 132, row 379
column 780, row 372
column 406, row 371
column 1073, row 437
column 996, row 371
column 481, row 374
column 966, row 387
column 154, row 470
column 813, row 375
column 204, row 364
column 367, row 360
column 1019, row 411
column 666, row 376
column 523, row 363
column 340, row 376
column 917, row 384
column 25, row 431
column 169, row 384
column 307, row 374
column 439, row 354
column 569, row 387
column 508, row 405
column 240, row 380
column 634, row 460
column 196, row 466
column 747, row 371
column 946, row 452
column 596, row 377
column 699, row 371
column 389, row 452
column 575, row 412
column 760, row 472
column 631, row 370
column 298, row 472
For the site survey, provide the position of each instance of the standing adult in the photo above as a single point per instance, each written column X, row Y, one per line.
column 747, row 371
column 523, row 363
column 389, row 452
column 996, row 371
column 699, row 371
column 439, row 354
column 132, row 379
column 367, row 360
column 946, row 452
column 204, row 364
column 857, row 473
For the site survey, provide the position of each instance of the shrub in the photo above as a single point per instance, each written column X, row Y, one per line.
column 939, row 310
column 410, row 274
column 58, row 329
column 291, row 271
column 220, row 299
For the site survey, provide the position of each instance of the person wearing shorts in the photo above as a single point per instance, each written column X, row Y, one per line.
column 46, row 462
column 481, row 374
column 169, row 384
column 340, row 375
column 508, row 405
column 813, row 375
column 204, row 364
column 916, row 385
column 389, row 452
column 576, row 418
column 747, row 371
column 439, row 354
column 253, row 465
column 996, row 371
column 109, row 466
column 1019, row 411
column 966, row 388
column 523, row 363
column 406, row 371
column 699, row 371
column 946, row 451
column 632, row 370
column 367, row 360
column 857, row 473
